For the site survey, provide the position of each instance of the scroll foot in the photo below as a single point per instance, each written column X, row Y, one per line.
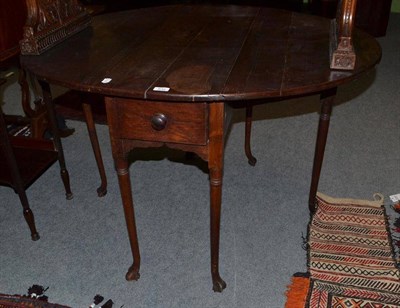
column 218, row 284
column 132, row 274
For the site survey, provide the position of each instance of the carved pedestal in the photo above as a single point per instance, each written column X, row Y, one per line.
column 49, row 22
column 342, row 52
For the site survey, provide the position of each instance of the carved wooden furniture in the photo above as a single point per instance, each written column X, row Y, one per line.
column 70, row 104
column 168, row 81
column 13, row 15
column 341, row 51
column 23, row 159
column 49, row 22
column 343, row 55
column 12, row 18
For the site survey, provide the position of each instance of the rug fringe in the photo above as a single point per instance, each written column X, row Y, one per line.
column 296, row 295
column 377, row 202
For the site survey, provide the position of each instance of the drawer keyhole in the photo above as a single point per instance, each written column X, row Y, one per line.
column 158, row 121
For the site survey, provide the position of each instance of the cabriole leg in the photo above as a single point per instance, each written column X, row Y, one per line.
column 247, row 147
column 215, row 164
column 87, row 110
column 127, row 201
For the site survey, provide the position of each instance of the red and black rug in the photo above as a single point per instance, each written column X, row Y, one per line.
column 35, row 298
column 16, row 301
column 351, row 258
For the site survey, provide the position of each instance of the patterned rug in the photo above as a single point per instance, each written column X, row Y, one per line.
column 16, row 301
column 36, row 298
column 351, row 258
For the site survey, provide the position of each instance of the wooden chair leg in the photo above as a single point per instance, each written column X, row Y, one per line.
column 16, row 177
column 247, row 147
column 28, row 215
column 48, row 100
column 87, row 110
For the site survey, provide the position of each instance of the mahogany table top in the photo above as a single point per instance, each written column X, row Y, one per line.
column 201, row 53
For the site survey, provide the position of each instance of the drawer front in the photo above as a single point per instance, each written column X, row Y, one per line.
column 164, row 122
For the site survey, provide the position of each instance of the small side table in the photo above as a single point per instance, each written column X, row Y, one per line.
column 23, row 159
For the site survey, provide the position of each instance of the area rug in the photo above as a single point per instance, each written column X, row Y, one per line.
column 350, row 258
column 16, row 301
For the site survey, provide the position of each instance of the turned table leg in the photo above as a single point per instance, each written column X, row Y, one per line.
column 124, row 181
column 327, row 99
column 124, row 135
column 48, row 100
column 215, row 164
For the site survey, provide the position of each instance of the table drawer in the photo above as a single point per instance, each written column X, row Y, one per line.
column 157, row 121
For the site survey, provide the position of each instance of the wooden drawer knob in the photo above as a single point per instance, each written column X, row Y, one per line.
column 158, row 121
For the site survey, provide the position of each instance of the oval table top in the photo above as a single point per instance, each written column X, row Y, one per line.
column 201, row 53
